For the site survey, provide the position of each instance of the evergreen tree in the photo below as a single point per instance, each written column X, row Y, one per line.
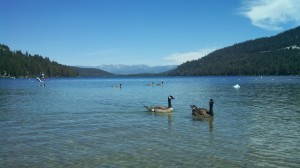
column 18, row 64
column 276, row 55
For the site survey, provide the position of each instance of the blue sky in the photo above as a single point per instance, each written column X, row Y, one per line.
column 151, row 32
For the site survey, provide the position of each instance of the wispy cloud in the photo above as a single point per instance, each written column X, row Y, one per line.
column 179, row 58
column 272, row 14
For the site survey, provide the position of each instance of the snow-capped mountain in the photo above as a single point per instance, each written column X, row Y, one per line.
column 134, row 69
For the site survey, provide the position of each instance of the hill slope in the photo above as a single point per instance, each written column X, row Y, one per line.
column 91, row 72
column 276, row 55
column 18, row 64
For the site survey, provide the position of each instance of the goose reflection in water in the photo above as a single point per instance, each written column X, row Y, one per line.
column 168, row 115
column 210, row 121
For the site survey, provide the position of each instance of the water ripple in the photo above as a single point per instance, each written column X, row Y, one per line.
column 88, row 123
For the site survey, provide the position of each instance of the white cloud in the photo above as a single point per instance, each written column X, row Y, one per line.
column 272, row 14
column 179, row 58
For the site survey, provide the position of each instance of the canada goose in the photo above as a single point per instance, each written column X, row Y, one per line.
column 118, row 86
column 150, row 84
column 161, row 109
column 202, row 112
column 160, row 84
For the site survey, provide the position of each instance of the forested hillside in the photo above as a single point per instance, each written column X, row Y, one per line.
column 91, row 72
column 18, row 64
column 276, row 55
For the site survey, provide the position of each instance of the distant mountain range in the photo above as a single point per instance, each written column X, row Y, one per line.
column 121, row 69
column 275, row 55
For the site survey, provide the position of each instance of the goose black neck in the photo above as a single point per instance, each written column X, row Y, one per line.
column 169, row 103
column 211, row 103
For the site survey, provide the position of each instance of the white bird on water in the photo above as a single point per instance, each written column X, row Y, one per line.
column 237, row 86
column 38, row 79
column 42, row 83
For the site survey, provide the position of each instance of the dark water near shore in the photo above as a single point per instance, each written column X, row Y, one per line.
column 88, row 123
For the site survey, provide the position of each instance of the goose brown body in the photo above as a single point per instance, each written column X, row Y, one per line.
column 202, row 112
column 161, row 109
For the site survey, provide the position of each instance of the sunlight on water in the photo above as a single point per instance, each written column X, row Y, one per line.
column 88, row 122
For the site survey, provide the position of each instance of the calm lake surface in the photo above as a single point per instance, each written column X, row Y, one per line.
column 87, row 122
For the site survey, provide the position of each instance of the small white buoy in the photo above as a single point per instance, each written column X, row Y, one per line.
column 237, row 86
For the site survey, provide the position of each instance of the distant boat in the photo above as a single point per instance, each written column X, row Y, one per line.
column 237, row 86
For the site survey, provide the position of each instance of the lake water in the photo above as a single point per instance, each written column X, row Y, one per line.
column 87, row 122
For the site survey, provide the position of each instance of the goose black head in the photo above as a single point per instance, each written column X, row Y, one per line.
column 171, row 97
column 193, row 107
